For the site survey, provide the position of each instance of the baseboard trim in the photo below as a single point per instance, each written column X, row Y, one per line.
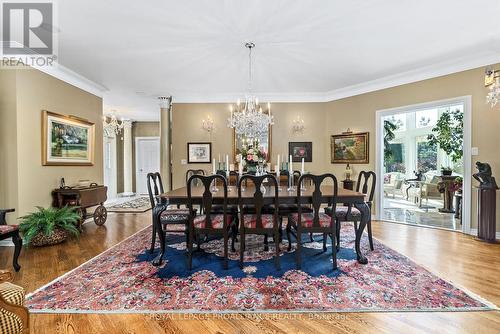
column 473, row 231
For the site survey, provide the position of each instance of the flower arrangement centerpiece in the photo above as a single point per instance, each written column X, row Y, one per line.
column 252, row 157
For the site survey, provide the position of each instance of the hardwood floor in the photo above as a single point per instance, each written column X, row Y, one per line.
column 461, row 259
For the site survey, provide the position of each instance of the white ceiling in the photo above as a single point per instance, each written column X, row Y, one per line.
column 314, row 50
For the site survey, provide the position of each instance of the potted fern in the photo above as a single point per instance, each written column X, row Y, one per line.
column 49, row 226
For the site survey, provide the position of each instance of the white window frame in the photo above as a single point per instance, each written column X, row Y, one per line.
column 466, row 101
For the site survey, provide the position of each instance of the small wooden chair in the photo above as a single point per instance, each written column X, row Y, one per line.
column 257, row 222
column 11, row 231
column 208, row 223
column 315, row 221
column 14, row 317
column 366, row 184
column 171, row 218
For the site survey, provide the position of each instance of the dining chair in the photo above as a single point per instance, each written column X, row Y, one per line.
column 315, row 221
column 11, row 231
column 259, row 222
column 286, row 209
column 208, row 223
column 347, row 213
column 172, row 220
column 233, row 209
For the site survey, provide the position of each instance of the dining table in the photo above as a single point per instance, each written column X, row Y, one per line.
column 286, row 195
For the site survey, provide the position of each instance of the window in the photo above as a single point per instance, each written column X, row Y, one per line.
column 426, row 118
column 399, row 120
column 427, row 157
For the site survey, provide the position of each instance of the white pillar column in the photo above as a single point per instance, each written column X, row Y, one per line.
column 166, row 141
column 127, row 158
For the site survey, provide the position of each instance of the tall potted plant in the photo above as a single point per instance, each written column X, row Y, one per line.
column 49, row 226
column 448, row 134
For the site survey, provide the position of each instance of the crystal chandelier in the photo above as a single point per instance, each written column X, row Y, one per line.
column 112, row 127
column 248, row 119
column 492, row 80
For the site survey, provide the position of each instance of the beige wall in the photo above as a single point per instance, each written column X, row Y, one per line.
column 36, row 91
column 8, row 142
column 358, row 113
column 186, row 127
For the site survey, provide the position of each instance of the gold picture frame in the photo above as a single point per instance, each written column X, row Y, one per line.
column 350, row 148
column 67, row 140
column 269, row 143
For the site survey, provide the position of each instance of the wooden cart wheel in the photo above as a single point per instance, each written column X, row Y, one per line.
column 100, row 215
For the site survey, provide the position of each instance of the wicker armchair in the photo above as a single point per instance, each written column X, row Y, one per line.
column 14, row 317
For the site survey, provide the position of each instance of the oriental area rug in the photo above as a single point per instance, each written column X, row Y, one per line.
column 123, row 280
column 136, row 205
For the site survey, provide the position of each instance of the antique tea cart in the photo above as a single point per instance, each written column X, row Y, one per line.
column 84, row 198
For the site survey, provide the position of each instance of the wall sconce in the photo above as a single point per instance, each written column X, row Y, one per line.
column 298, row 125
column 492, row 80
column 208, row 124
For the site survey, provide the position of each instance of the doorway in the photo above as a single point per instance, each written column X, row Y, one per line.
column 412, row 187
column 147, row 160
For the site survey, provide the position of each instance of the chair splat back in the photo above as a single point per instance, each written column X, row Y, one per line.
column 317, row 196
column 207, row 197
column 191, row 172
column 366, row 184
column 259, row 200
column 155, row 179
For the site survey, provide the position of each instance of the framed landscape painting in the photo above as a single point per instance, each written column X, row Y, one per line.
column 199, row 153
column 67, row 140
column 350, row 148
column 299, row 150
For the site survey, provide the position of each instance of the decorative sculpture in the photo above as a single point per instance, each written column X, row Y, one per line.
column 483, row 176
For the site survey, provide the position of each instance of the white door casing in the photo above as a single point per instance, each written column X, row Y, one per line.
column 147, row 160
column 466, row 101
column 109, row 163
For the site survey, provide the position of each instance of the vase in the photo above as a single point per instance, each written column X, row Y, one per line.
column 251, row 168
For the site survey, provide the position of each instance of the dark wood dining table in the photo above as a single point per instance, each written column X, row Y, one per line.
column 179, row 196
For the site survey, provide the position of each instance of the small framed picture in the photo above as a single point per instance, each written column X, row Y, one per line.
column 299, row 150
column 350, row 148
column 199, row 153
column 67, row 140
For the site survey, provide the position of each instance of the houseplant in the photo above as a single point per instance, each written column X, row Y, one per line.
column 49, row 226
column 448, row 134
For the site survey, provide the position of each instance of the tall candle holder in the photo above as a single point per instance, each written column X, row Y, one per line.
column 290, row 183
column 214, row 188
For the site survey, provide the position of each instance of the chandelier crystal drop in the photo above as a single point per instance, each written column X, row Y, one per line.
column 248, row 118
column 494, row 94
column 492, row 81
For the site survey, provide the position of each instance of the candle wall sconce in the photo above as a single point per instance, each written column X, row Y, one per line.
column 208, row 124
column 298, row 125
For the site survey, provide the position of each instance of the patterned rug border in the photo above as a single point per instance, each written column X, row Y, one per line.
column 489, row 306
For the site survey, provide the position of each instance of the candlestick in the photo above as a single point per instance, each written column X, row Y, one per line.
column 213, row 167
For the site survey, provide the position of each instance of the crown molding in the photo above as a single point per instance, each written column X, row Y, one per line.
column 419, row 74
column 407, row 77
column 71, row 77
column 63, row 73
